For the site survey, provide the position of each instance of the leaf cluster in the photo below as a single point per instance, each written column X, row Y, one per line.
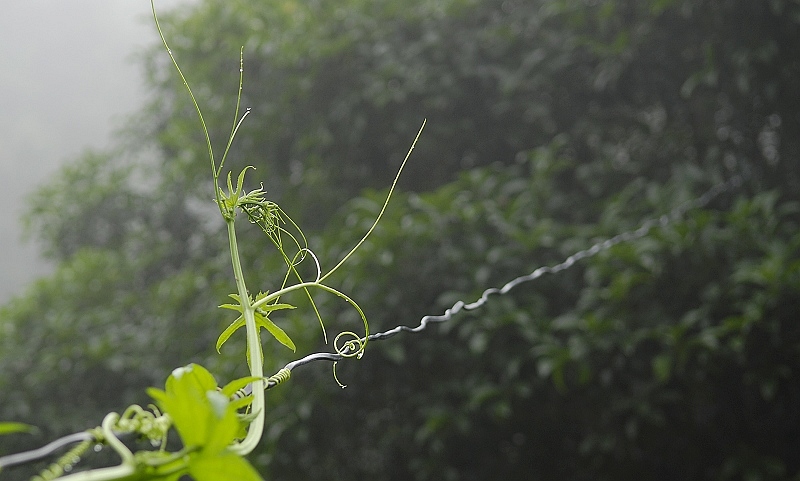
column 262, row 321
column 207, row 422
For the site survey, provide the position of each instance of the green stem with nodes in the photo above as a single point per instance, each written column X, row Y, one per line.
column 248, row 311
column 253, row 347
column 237, row 199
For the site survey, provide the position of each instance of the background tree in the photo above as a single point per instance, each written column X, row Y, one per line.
column 552, row 124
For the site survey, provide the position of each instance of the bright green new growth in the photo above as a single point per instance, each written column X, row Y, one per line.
column 215, row 434
column 262, row 320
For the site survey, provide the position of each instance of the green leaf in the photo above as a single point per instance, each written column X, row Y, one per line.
column 228, row 332
column 222, row 467
column 276, row 331
column 261, row 314
column 157, row 394
column 189, row 377
column 187, row 402
column 202, row 414
column 230, row 186
column 261, row 295
column 218, row 402
column 234, row 307
column 240, row 180
column 9, row 428
column 226, row 425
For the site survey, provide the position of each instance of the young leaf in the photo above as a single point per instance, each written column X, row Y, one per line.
column 240, row 180
column 230, row 187
column 261, row 321
column 223, row 466
column 233, row 307
column 186, row 401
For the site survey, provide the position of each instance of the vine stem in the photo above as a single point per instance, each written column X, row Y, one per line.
column 127, row 468
column 256, row 428
column 101, row 474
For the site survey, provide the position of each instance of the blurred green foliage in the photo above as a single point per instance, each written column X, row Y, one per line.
column 552, row 124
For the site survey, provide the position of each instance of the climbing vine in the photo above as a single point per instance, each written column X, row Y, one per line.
column 220, row 424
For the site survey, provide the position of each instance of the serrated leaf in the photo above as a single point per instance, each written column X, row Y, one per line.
column 235, row 307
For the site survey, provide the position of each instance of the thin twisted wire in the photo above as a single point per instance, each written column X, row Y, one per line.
column 595, row 249
column 45, row 451
column 643, row 230
column 283, row 374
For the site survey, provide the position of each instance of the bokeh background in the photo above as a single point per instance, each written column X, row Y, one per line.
column 552, row 125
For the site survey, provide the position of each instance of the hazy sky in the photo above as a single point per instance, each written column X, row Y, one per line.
column 67, row 80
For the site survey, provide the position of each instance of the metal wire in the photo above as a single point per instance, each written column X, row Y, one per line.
column 46, row 450
column 643, row 230
column 595, row 249
column 283, row 374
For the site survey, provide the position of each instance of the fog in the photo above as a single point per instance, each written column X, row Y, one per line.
column 67, row 80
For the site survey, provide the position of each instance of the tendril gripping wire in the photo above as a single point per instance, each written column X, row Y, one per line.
column 279, row 377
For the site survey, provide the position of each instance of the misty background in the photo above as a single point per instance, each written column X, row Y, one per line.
column 553, row 125
column 68, row 78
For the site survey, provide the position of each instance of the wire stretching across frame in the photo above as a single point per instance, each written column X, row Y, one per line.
column 643, row 230
column 283, row 374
